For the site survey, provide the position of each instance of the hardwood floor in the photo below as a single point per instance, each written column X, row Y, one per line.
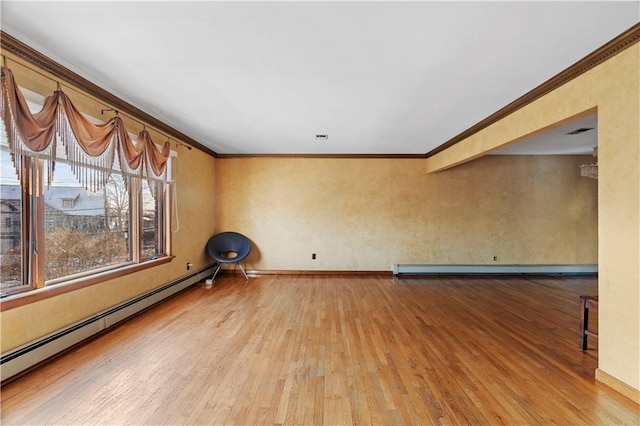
column 336, row 350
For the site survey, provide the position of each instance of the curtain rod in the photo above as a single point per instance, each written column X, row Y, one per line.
column 34, row 61
column 5, row 61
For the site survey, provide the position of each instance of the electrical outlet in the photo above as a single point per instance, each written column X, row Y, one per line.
column 495, row 258
column 189, row 265
column 313, row 256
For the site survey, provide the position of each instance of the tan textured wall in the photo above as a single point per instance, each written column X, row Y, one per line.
column 614, row 89
column 195, row 177
column 367, row 214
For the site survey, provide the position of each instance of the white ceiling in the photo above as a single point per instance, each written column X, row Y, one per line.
column 266, row 77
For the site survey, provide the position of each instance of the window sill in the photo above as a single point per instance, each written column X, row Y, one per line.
column 31, row 296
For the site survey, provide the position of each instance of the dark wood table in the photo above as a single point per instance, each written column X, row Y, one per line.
column 586, row 303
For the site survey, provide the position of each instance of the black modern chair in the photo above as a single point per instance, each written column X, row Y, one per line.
column 228, row 247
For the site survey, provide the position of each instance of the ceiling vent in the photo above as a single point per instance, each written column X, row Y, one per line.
column 580, row 130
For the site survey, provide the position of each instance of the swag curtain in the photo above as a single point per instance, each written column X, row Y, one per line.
column 89, row 148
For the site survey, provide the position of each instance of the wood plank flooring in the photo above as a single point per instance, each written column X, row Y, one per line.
column 336, row 350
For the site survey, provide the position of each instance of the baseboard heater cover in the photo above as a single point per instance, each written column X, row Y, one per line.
column 25, row 357
column 426, row 269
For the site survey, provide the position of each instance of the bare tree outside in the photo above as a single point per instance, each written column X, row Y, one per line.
column 117, row 203
column 86, row 231
column 83, row 231
column 11, row 267
column 10, row 257
column 151, row 232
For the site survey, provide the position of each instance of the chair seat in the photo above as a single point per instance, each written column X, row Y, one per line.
column 228, row 247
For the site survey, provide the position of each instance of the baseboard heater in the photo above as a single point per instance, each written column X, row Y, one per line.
column 25, row 357
column 425, row 269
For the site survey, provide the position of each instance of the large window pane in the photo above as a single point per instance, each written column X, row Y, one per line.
column 152, row 220
column 84, row 231
column 11, row 265
column 69, row 232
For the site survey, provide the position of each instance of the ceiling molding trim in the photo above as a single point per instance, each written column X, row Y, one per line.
column 15, row 46
column 595, row 58
column 338, row 156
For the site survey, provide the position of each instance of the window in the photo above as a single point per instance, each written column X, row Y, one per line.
column 50, row 235
column 84, row 231
column 11, row 266
column 152, row 219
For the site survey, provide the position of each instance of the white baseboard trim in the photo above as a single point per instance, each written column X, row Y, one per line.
column 618, row 385
column 426, row 269
column 25, row 357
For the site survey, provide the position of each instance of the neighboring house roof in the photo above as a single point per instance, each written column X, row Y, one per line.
column 84, row 204
column 10, row 193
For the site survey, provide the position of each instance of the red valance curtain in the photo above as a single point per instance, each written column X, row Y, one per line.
column 89, row 148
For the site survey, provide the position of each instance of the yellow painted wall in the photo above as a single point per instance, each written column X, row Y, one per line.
column 614, row 89
column 361, row 214
column 367, row 214
column 195, row 184
column 194, row 172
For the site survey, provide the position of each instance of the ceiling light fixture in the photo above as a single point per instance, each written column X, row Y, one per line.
column 590, row 170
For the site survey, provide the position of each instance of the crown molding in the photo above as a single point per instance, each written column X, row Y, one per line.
column 32, row 56
column 360, row 156
column 600, row 55
column 595, row 58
